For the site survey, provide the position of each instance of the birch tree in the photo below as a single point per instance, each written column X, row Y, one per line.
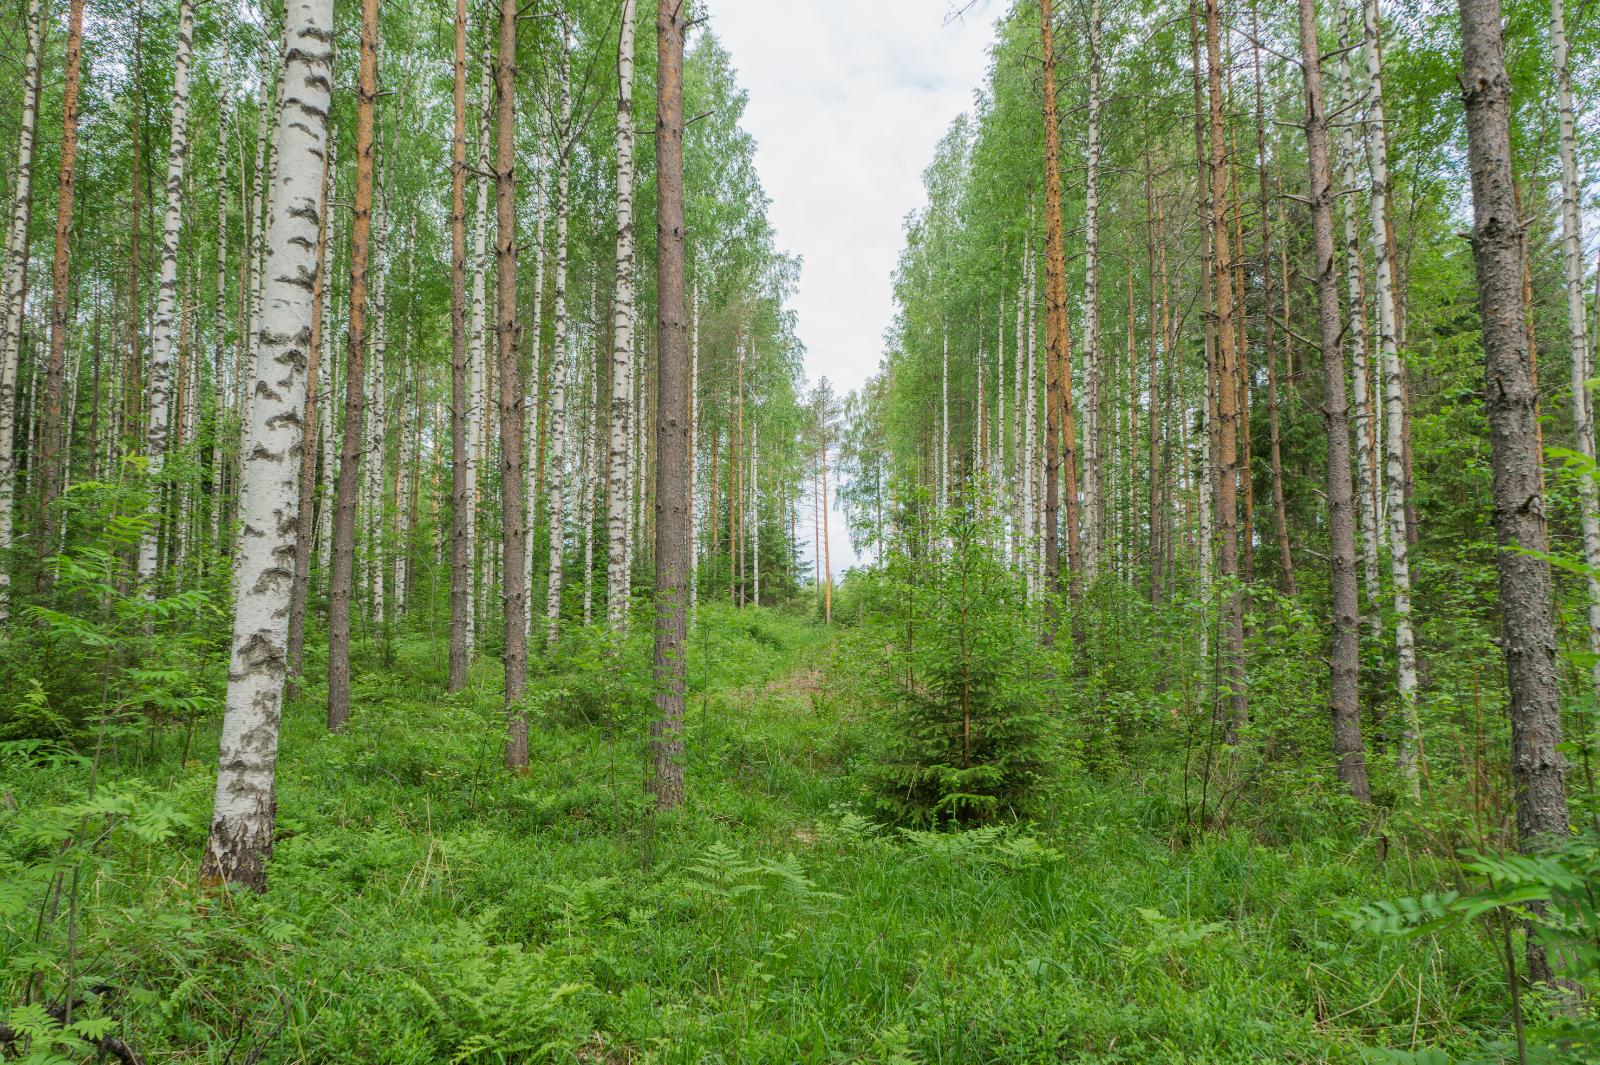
column 559, row 354
column 1093, row 438
column 240, row 838
column 1577, row 321
column 617, row 581
column 477, row 337
column 1357, row 345
column 1394, row 405
column 1344, row 659
column 461, row 501
column 161, row 336
column 11, row 288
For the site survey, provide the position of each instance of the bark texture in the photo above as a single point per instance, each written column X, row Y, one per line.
column 461, row 502
column 672, row 415
column 165, row 325
column 51, row 460
column 1344, row 656
column 11, row 290
column 341, row 575
column 240, row 839
column 1511, row 401
column 513, row 505
column 621, row 336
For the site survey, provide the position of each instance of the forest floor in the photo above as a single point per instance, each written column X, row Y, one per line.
column 424, row 906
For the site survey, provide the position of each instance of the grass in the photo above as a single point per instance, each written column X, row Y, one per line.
column 424, row 906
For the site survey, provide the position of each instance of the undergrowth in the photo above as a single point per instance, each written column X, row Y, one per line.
column 425, row 907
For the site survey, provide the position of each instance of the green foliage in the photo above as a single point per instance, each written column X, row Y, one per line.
column 427, row 907
column 97, row 645
column 1554, row 891
column 962, row 734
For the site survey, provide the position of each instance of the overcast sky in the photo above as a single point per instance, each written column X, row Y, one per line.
column 847, row 100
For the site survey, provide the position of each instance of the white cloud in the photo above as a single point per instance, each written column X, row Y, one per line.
column 847, row 100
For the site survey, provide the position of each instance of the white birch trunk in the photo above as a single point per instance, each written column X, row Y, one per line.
column 586, row 482
column 260, row 210
column 330, row 387
column 11, row 288
column 636, row 436
column 219, row 388
column 1577, row 324
column 477, row 337
column 164, row 327
column 558, row 370
column 1092, row 481
column 377, row 417
column 943, row 494
column 530, row 465
column 978, row 421
column 617, row 583
column 694, row 452
column 1001, row 478
column 755, row 507
column 1019, row 461
column 1356, row 334
column 1032, row 464
column 1394, row 411
column 240, row 838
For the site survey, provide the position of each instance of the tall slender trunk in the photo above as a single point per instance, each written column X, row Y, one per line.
column 1061, row 448
column 376, row 522
column 1511, row 401
column 461, row 501
column 324, row 532
column 1577, row 322
column 755, row 512
column 735, row 457
column 479, row 411
column 617, row 585
column 341, row 571
column 827, row 547
column 50, row 474
column 559, row 361
column 694, row 452
column 240, row 838
column 1001, row 471
column 304, row 527
column 1153, row 236
column 1344, row 657
column 513, row 490
column 219, row 312
column 1366, row 426
column 536, row 415
column 1280, row 516
column 1021, row 431
column 1205, row 488
column 161, row 338
column 672, row 429
column 1226, row 375
column 11, row 292
column 1394, row 404
column 1095, row 457
column 944, row 416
